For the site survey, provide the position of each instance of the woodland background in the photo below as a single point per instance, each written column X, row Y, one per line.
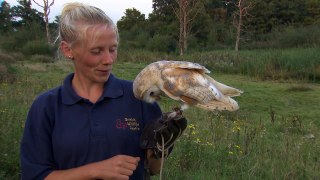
column 208, row 25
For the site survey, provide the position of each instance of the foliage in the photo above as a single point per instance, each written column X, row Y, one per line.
column 132, row 18
column 16, row 41
column 37, row 47
column 8, row 71
column 265, row 64
column 162, row 43
column 41, row 58
column 281, row 24
column 25, row 15
column 5, row 17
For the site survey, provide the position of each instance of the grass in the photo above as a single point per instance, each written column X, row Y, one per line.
column 274, row 135
column 265, row 64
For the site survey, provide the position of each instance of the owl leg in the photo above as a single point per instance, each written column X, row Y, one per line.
column 177, row 110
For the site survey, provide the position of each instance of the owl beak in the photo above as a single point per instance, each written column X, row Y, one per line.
column 155, row 96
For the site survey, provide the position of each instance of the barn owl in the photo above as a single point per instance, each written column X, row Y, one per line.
column 186, row 82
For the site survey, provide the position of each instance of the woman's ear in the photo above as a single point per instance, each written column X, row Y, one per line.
column 66, row 50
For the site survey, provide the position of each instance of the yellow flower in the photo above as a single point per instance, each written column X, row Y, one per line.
column 192, row 126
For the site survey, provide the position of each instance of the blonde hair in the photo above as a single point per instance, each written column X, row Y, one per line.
column 76, row 18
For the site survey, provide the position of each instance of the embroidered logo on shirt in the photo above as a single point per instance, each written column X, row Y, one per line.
column 130, row 123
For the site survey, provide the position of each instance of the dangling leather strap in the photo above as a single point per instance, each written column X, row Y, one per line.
column 147, row 175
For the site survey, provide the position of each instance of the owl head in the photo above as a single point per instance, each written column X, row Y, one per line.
column 145, row 85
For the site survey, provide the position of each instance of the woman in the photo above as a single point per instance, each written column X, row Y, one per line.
column 88, row 128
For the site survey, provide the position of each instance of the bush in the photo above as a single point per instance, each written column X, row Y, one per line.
column 8, row 45
column 18, row 56
column 8, row 73
column 162, row 43
column 41, row 58
column 288, row 37
column 6, row 58
column 37, row 47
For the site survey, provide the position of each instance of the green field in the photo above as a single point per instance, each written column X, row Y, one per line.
column 274, row 135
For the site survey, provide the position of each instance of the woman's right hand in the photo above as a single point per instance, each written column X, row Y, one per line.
column 119, row 167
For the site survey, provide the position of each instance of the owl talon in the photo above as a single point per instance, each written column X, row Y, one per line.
column 178, row 110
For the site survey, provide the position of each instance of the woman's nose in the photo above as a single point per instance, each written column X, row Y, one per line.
column 108, row 58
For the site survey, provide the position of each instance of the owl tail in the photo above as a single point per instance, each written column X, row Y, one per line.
column 225, row 103
column 226, row 90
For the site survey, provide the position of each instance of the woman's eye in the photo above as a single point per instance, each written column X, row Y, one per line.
column 112, row 49
column 96, row 51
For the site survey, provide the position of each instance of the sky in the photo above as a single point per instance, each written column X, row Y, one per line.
column 115, row 9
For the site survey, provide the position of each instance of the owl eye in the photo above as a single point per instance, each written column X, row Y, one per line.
column 151, row 93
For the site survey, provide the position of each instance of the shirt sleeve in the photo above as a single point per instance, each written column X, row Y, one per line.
column 36, row 157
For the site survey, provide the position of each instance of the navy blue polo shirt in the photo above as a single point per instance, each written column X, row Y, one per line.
column 64, row 131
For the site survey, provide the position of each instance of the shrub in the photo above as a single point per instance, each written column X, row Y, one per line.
column 162, row 43
column 37, row 47
column 41, row 58
column 8, row 45
column 6, row 58
column 18, row 56
column 8, row 73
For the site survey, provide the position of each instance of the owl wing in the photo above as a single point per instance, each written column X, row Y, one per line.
column 187, row 85
column 184, row 65
column 194, row 88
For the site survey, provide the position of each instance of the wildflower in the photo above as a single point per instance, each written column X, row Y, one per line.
column 191, row 126
column 230, row 152
column 236, row 126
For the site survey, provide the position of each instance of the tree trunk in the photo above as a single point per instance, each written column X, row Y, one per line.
column 188, row 10
column 46, row 11
column 185, row 34
column 47, row 29
column 238, row 31
column 181, row 33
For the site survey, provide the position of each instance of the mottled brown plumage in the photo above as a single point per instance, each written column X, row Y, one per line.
column 186, row 82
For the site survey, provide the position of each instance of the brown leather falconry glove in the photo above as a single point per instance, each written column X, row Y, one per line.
column 166, row 129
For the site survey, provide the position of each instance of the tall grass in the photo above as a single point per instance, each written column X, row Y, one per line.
column 267, row 64
column 274, row 135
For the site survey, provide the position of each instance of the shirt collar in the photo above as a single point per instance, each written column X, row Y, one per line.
column 112, row 89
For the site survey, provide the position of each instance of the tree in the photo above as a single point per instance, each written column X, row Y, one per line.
column 242, row 11
column 132, row 18
column 25, row 16
column 162, row 20
column 46, row 11
column 313, row 12
column 162, row 9
column 188, row 10
column 5, row 17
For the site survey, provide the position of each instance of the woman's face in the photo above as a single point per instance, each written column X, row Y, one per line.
column 95, row 54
